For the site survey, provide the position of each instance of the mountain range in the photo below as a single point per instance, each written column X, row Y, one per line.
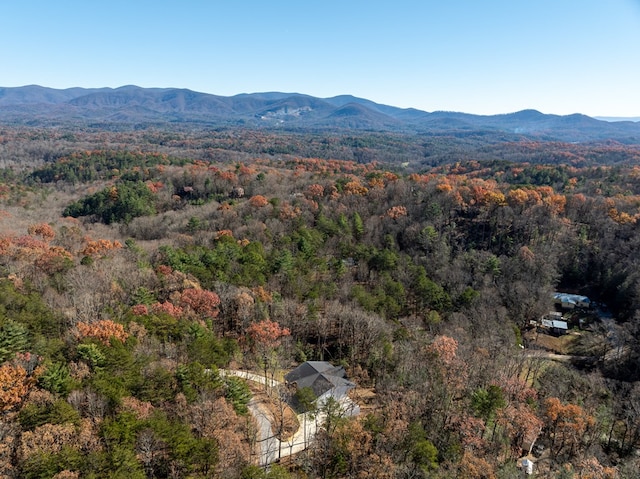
column 130, row 105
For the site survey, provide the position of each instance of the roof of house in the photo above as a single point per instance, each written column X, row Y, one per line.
column 571, row 298
column 320, row 376
column 552, row 323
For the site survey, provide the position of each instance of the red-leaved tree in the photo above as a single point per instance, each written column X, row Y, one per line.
column 202, row 302
column 264, row 338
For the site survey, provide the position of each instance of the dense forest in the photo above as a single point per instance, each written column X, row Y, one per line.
column 138, row 266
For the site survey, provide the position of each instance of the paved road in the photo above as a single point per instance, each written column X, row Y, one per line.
column 268, row 443
column 258, row 378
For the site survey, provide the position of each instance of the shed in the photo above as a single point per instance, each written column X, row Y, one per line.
column 558, row 327
column 527, row 466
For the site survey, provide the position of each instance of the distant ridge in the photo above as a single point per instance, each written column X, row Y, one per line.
column 618, row 118
column 129, row 105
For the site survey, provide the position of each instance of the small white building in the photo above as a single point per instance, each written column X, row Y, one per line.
column 558, row 327
column 527, row 466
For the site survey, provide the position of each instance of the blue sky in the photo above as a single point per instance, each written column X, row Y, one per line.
column 476, row 56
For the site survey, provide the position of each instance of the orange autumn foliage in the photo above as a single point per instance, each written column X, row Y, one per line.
column 494, row 197
column 517, row 197
column 472, row 467
column 288, row 211
column 43, row 230
column 99, row 247
column 258, row 201
column 14, row 385
column 53, row 260
column 376, row 183
column 103, row 331
column 355, row 188
column 46, row 439
column 227, row 176
column 621, row 217
column 49, row 259
column 444, row 186
column 246, row 170
column 445, row 348
column 556, row 203
column 389, row 177
column 519, row 425
column 315, row 191
column 262, row 294
column 396, row 212
column 154, row 186
column 141, row 409
column 220, row 233
column 567, row 424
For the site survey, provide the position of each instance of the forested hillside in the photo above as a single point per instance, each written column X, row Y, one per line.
column 136, row 265
column 133, row 108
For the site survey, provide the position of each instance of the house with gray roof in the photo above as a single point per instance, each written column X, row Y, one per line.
column 323, row 378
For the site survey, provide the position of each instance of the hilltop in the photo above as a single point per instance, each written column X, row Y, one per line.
column 131, row 105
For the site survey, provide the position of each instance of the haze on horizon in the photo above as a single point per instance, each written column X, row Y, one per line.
column 498, row 56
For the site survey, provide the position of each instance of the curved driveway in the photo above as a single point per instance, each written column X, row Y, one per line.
column 272, row 448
